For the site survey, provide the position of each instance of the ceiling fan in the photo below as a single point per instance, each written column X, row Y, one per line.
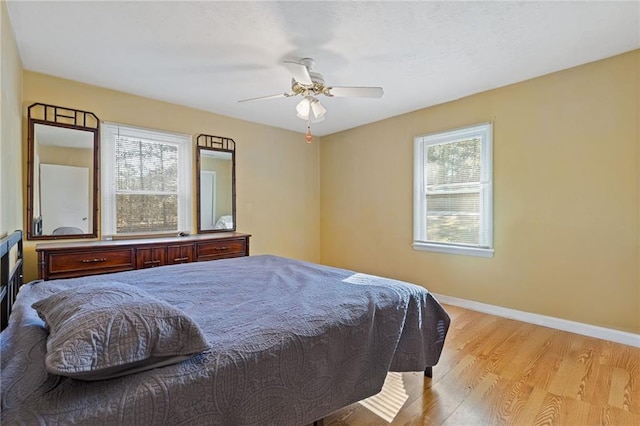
column 309, row 84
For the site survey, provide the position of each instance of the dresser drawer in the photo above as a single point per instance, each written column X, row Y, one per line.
column 75, row 264
column 211, row 250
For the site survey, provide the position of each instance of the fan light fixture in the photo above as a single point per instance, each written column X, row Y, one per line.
column 309, row 84
column 310, row 109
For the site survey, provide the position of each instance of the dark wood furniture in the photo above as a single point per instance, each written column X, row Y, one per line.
column 10, row 273
column 70, row 260
column 222, row 151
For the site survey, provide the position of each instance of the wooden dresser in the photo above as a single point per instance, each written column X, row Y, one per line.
column 70, row 260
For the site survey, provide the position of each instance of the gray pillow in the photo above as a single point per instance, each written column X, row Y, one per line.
column 104, row 330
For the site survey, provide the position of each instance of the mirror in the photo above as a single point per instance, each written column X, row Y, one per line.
column 62, row 178
column 216, row 183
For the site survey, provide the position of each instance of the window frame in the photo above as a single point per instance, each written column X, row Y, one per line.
column 108, row 191
column 485, row 132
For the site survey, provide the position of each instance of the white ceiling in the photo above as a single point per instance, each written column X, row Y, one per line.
column 208, row 55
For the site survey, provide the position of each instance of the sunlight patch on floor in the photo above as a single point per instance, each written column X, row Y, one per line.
column 388, row 402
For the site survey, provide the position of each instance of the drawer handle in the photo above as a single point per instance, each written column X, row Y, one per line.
column 152, row 262
column 181, row 259
column 222, row 248
column 102, row 259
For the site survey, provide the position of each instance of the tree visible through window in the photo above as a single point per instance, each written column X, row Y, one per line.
column 145, row 180
column 147, row 186
column 453, row 192
column 452, row 203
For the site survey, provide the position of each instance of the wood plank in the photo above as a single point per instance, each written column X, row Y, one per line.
column 499, row 371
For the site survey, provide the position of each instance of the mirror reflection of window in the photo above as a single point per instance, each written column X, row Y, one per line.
column 216, row 184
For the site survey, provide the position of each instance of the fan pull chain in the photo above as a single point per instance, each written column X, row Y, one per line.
column 309, row 136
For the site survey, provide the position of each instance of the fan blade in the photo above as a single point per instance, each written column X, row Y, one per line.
column 357, row 92
column 262, row 98
column 299, row 72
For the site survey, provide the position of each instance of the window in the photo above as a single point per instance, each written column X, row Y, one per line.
column 146, row 181
column 453, row 192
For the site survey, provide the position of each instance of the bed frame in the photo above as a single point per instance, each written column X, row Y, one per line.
column 11, row 274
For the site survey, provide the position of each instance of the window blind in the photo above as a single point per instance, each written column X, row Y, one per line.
column 452, row 191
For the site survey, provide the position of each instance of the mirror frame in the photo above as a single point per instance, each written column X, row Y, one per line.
column 219, row 144
column 51, row 115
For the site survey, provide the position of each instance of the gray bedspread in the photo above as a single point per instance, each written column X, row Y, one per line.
column 290, row 342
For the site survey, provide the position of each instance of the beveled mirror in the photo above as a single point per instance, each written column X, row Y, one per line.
column 216, row 183
column 62, row 173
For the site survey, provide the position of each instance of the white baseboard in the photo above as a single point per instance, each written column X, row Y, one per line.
column 618, row 336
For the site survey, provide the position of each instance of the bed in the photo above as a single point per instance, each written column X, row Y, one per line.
column 288, row 342
column 10, row 273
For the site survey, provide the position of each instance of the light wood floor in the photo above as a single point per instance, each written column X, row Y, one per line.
column 496, row 371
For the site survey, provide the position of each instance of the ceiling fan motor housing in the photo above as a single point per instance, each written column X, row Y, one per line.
column 317, row 86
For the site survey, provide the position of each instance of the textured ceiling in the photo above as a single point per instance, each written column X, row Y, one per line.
column 208, row 55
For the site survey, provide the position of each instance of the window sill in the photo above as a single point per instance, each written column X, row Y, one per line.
column 450, row 249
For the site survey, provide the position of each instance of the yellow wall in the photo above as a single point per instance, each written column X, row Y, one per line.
column 566, row 197
column 277, row 173
column 10, row 128
column 566, row 170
